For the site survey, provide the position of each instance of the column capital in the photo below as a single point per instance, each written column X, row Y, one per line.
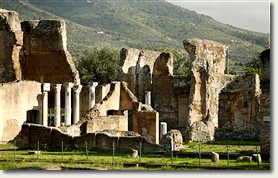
column 68, row 86
column 92, row 84
column 57, row 87
column 45, row 86
column 77, row 88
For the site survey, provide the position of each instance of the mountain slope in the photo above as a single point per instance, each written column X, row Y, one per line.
column 137, row 23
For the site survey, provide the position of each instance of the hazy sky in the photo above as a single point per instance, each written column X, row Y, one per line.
column 249, row 14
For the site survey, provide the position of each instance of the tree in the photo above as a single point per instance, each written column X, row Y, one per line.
column 254, row 66
column 99, row 64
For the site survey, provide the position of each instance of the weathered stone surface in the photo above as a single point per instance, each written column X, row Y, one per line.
column 134, row 153
column 10, row 46
column 199, row 131
column 208, row 61
column 164, row 99
column 51, row 137
column 136, row 69
column 172, row 139
column 45, row 52
column 256, row 158
column 109, row 113
column 265, row 103
column 214, row 157
column 244, row 159
column 239, row 104
column 16, row 99
column 116, row 122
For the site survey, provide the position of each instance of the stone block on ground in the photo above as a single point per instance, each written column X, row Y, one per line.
column 214, row 157
column 256, row 158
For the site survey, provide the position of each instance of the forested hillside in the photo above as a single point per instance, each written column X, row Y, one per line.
column 138, row 24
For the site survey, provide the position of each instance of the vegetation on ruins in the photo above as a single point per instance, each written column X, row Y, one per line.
column 254, row 66
column 139, row 24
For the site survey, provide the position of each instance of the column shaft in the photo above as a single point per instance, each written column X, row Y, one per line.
column 57, row 105
column 45, row 90
column 68, row 87
column 76, row 106
column 92, row 100
column 148, row 97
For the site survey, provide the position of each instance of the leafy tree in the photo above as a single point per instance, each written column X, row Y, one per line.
column 254, row 66
column 99, row 64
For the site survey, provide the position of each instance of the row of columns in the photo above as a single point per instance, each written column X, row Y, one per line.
column 57, row 102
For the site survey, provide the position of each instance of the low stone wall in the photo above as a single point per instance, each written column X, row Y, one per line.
column 115, row 122
column 52, row 138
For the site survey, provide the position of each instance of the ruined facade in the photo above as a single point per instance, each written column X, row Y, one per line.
column 212, row 105
column 10, row 46
column 40, row 85
column 31, row 53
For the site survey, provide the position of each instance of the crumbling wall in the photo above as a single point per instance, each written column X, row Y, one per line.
column 164, row 100
column 148, row 125
column 116, row 122
column 16, row 98
column 265, row 103
column 10, row 46
column 109, row 114
column 52, row 138
column 208, row 63
column 181, row 86
column 136, row 69
column 239, row 105
column 45, row 52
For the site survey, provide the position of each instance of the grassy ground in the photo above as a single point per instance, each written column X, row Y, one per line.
column 80, row 159
column 223, row 146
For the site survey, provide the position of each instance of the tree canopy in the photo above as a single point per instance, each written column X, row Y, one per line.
column 99, row 64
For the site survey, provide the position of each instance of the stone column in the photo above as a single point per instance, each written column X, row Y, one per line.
column 45, row 90
column 92, row 100
column 76, row 107
column 68, row 87
column 148, row 97
column 57, row 105
column 163, row 129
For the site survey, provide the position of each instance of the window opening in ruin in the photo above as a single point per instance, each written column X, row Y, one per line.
column 112, row 112
column 245, row 103
column 32, row 116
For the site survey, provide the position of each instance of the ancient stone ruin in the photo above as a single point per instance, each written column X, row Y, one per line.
column 41, row 97
column 213, row 105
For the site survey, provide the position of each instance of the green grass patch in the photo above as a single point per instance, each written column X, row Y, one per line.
column 223, row 146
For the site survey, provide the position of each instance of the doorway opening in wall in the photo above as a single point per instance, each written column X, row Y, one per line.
column 129, row 114
column 33, row 116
